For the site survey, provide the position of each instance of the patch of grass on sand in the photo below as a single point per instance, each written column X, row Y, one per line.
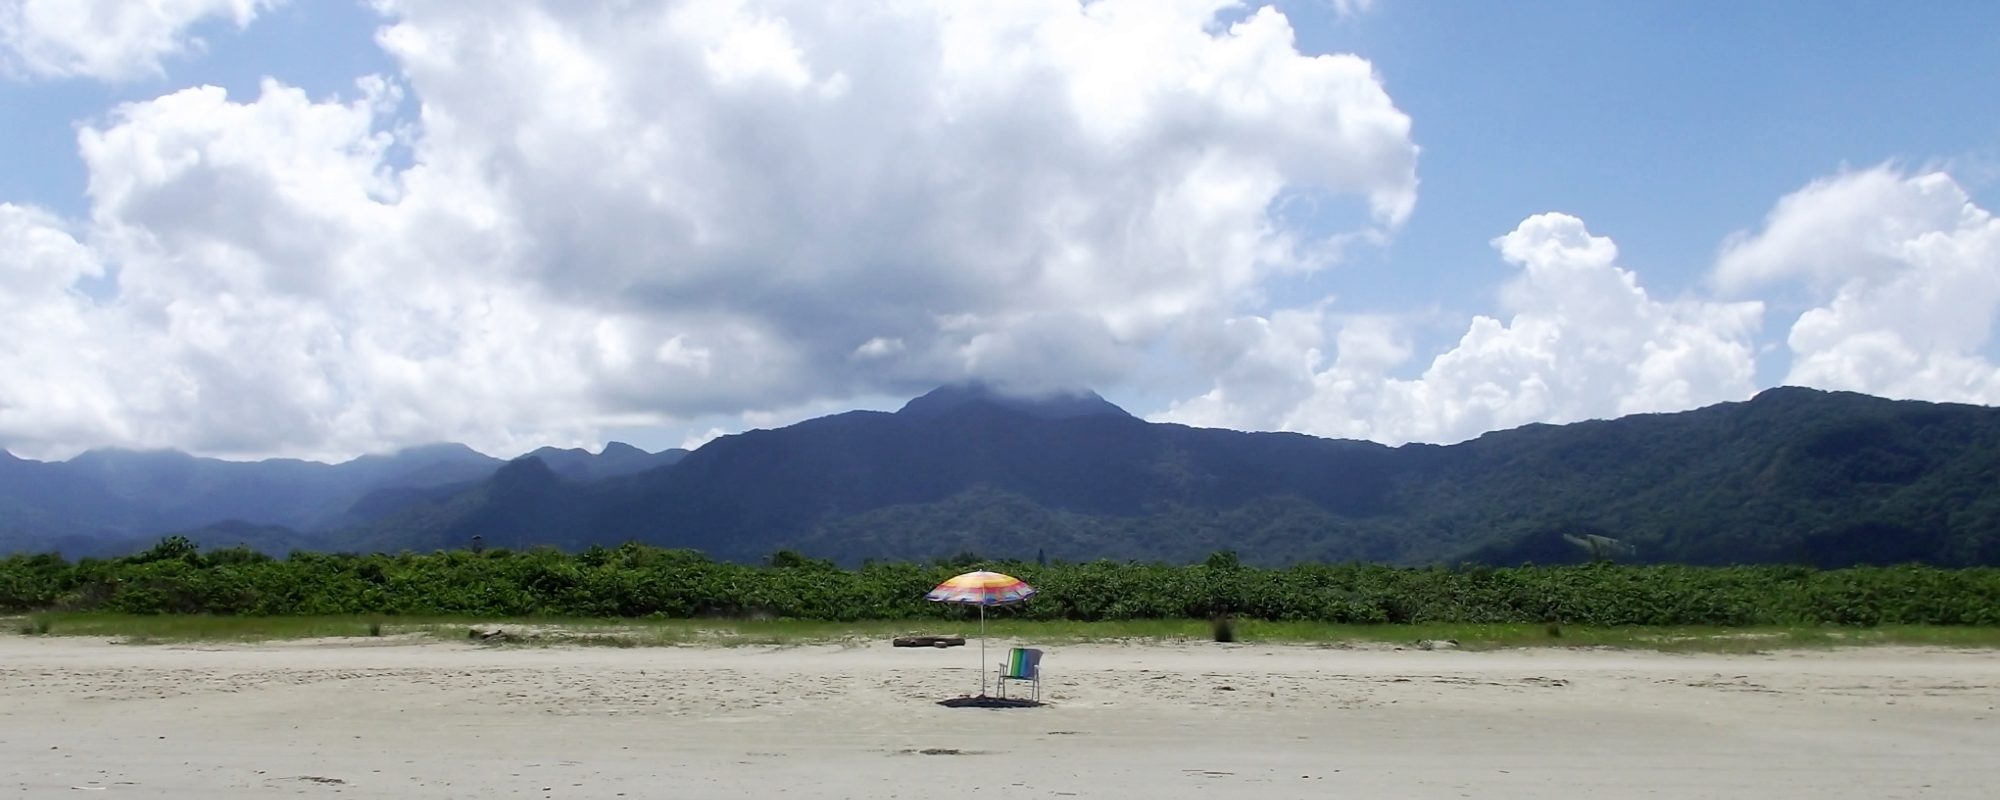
column 202, row 628
column 38, row 625
column 764, row 632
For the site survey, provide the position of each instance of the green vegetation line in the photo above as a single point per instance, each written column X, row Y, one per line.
column 636, row 581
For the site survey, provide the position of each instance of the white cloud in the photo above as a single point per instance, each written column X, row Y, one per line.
column 669, row 211
column 878, row 347
column 1904, row 273
column 108, row 39
column 864, row 174
column 278, row 291
column 694, row 441
column 1348, row 8
column 60, row 375
column 1584, row 341
column 980, row 183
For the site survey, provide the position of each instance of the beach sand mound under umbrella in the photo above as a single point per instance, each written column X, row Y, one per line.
column 983, row 589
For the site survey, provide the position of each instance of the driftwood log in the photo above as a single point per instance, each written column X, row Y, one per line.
column 930, row 641
column 493, row 635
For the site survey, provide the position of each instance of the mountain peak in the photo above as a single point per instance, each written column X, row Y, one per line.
column 1786, row 393
column 951, row 398
column 451, row 450
column 523, row 471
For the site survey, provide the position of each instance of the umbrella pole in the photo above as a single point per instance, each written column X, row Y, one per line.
column 982, row 649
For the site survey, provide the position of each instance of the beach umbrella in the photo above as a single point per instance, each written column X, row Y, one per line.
column 982, row 589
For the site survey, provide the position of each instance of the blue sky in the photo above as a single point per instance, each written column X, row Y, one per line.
column 1780, row 182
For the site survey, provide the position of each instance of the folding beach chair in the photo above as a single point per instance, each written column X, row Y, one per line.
column 1022, row 664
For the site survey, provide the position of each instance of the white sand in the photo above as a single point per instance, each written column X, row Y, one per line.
column 82, row 718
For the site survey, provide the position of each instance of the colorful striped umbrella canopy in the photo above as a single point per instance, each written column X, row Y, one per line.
column 982, row 589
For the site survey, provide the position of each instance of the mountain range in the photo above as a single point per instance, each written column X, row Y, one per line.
column 1790, row 476
column 106, row 502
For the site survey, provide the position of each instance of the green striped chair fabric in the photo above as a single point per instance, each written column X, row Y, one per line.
column 1023, row 664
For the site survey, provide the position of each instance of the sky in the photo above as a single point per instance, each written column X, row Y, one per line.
column 322, row 228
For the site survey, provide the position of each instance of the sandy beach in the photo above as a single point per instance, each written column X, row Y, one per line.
column 424, row 719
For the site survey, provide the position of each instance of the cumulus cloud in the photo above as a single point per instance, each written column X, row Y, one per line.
column 972, row 181
column 108, row 39
column 1904, row 276
column 289, row 294
column 557, row 216
column 1584, row 340
column 59, row 387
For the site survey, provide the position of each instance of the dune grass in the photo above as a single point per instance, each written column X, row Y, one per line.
column 750, row 632
column 194, row 627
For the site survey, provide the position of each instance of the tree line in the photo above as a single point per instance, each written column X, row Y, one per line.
column 634, row 580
